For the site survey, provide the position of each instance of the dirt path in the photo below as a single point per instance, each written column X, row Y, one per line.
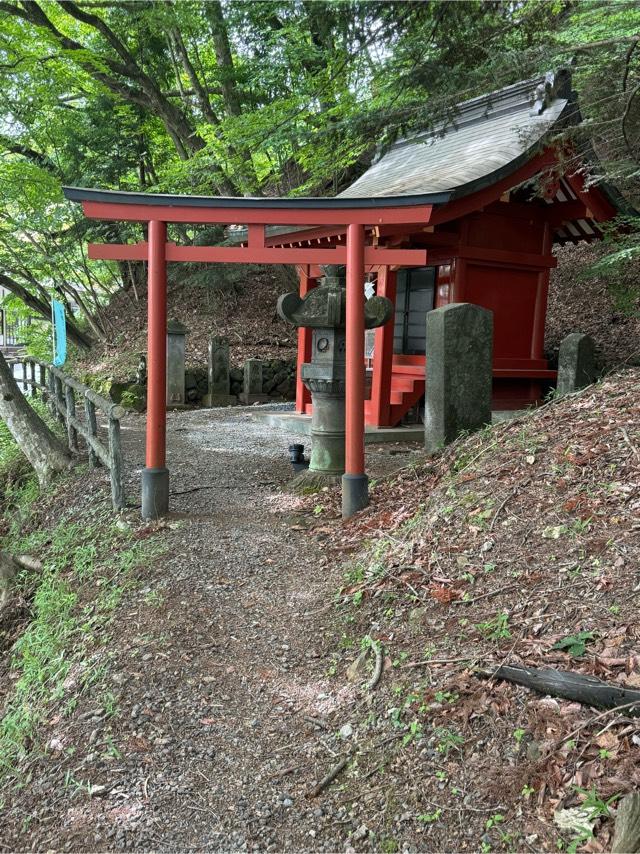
column 221, row 658
column 234, row 665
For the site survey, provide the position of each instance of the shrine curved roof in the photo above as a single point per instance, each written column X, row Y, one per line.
column 83, row 194
column 483, row 140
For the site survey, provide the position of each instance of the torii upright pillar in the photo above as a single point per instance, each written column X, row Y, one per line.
column 355, row 483
column 155, row 475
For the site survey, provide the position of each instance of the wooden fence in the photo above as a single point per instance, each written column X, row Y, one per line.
column 60, row 392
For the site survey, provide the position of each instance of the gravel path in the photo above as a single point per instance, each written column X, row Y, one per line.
column 233, row 665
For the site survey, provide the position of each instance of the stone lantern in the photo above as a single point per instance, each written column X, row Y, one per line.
column 323, row 310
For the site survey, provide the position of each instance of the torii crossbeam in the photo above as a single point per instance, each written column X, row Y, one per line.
column 257, row 213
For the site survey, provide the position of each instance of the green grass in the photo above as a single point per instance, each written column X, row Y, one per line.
column 18, row 484
column 88, row 566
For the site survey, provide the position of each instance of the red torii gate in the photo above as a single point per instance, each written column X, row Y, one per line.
column 158, row 210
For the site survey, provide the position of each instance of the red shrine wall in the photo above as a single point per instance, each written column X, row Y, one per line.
column 511, row 295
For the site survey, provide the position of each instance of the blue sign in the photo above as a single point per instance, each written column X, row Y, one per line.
column 59, row 334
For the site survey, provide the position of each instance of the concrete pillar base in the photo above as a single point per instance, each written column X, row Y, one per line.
column 355, row 494
column 155, row 492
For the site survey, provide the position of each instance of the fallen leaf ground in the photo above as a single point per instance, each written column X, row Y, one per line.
column 239, row 661
column 500, row 550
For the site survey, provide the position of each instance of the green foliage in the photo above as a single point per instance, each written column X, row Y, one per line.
column 497, row 628
column 18, row 483
column 447, row 740
column 576, row 644
column 274, row 97
column 55, row 657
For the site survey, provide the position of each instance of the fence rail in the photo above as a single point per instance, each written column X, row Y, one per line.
column 60, row 392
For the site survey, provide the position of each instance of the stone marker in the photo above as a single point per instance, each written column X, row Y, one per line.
column 459, row 366
column 252, row 386
column 576, row 363
column 219, row 382
column 176, row 333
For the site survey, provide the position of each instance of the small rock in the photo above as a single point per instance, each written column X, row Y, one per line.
column 361, row 833
column 533, row 751
column 357, row 670
column 346, row 731
column 287, row 802
column 98, row 790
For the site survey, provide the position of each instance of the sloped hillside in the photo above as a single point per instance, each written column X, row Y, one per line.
column 243, row 309
column 519, row 545
column 605, row 307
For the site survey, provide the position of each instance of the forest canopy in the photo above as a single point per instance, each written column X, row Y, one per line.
column 262, row 98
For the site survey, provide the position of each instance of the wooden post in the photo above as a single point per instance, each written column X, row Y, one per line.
column 43, row 379
column 70, row 403
column 155, row 475
column 115, row 454
column 25, row 378
column 383, row 355
column 61, row 407
column 32, row 371
column 355, row 488
column 51, row 382
column 92, row 428
column 542, row 295
column 303, row 395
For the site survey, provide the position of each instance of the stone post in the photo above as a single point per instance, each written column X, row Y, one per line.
column 576, row 363
column 459, row 368
column 252, row 384
column 176, row 333
column 219, row 383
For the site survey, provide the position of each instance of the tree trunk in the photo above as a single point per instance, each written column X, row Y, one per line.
column 43, row 308
column 42, row 449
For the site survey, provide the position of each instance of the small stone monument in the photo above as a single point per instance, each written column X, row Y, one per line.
column 176, row 333
column 323, row 310
column 141, row 370
column 252, row 383
column 459, row 365
column 219, row 382
column 576, row 363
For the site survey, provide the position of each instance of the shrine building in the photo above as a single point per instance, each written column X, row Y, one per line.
column 507, row 194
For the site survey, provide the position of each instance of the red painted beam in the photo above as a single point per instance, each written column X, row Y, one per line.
column 601, row 208
column 118, row 251
column 303, row 395
column 383, row 354
column 157, row 347
column 259, row 216
column 248, row 255
column 354, row 392
column 256, row 236
column 561, row 212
